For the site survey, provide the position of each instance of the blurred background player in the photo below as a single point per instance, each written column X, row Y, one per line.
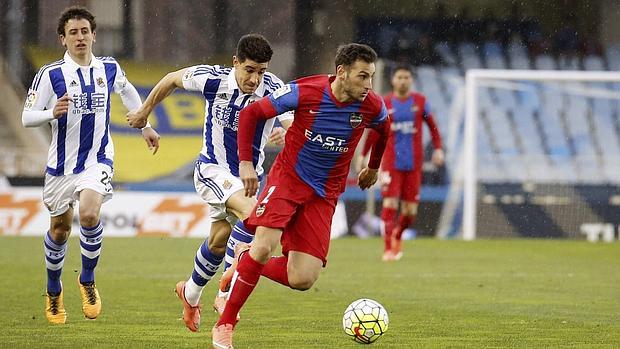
column 401, row 168
column 308, row 176
column 72, row 96
column 227, row 90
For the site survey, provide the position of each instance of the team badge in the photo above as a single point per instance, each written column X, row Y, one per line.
column 227, row 185
column 414, row 109
column 100, row 82
column 260, row 209
column 355, row 119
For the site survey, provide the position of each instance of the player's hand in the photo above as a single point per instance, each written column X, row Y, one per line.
column 62, row 106
column 367, row 178
column 438, row 157
column 138, row 118
column 247, row 174
column 151, row 137
column 277, row 135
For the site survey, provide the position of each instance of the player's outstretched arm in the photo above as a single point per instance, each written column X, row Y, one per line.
column 165, row 86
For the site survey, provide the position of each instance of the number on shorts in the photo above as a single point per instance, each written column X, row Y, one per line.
column 106, row 180
column 269, row 192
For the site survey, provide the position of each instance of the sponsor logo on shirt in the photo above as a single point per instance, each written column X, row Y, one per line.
column 406, row 127
column 81, row 103
column 327, row 142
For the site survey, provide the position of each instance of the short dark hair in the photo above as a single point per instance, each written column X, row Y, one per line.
column 347, row 54
column 75, row 12
column 405, row 67
column 254, row 47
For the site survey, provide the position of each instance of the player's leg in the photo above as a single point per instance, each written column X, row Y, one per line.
column 391, row 184
column 55, row 246
column 93, row 188
column 58, row 199
column 409, row 209
column 91, row 237
column 247, row 274
column 207, row 260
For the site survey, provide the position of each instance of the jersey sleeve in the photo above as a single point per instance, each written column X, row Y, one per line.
column 285, row 99
column 40, row 94
column 381, row 117
column 195, row 77
column 120, row 81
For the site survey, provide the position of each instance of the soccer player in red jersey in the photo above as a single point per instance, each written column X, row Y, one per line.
column 401, row 168
column 299, row 199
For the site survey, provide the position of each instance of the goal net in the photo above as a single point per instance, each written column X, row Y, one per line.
column 540, row 156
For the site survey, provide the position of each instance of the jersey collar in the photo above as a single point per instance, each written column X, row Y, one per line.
column 232, row 84
column 94, row 62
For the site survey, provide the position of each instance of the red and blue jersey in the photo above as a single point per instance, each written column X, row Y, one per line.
column 321, row 141
column 404, row 150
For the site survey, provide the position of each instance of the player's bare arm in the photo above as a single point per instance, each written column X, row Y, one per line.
column 62, row 106
column 165, row 86
column 248, row 176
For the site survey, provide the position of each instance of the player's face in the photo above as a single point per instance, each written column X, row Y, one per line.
column 249, row 74
column 401, row 81
column 357, row 79
column 78, row 37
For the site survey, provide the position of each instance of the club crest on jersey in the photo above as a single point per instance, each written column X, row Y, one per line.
column 414, row 109
column 260, row 209
column 355, row 119
column 100, row 82
column 227, row 185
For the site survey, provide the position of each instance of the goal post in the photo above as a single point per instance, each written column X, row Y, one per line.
column 508, row 79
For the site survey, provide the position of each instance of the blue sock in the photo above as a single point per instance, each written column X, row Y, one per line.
column 206, row 264
column 239, row 234
column 90, row 245
column 54, row 260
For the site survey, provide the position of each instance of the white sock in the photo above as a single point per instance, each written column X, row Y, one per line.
column 193, row 292
column 222, row 294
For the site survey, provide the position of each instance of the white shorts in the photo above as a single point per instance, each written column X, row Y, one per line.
column 215, row 185
column 61, row 192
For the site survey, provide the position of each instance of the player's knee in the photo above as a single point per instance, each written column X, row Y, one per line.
column 246, row 211
column 301, row 281
column 60, row 232
column 89, row 218
column 216, row 247
column 261, row 253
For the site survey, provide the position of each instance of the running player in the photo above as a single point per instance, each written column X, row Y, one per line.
column 297, row 205
column 401, row 168
column 72, row 95
column 216, row 176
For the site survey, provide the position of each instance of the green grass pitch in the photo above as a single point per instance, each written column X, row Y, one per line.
column 442, row 294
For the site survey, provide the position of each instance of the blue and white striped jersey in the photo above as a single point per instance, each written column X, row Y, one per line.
column 81, row 138
column 224, row 100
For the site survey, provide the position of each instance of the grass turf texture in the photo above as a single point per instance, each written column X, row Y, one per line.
column 442, row 294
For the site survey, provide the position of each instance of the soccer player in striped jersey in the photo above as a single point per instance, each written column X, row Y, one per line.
column 401, row 168
column 226, row 90
column 72, row 95
column 298, row 203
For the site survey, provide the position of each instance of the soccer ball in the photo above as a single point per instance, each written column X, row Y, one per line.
column 365, row 320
